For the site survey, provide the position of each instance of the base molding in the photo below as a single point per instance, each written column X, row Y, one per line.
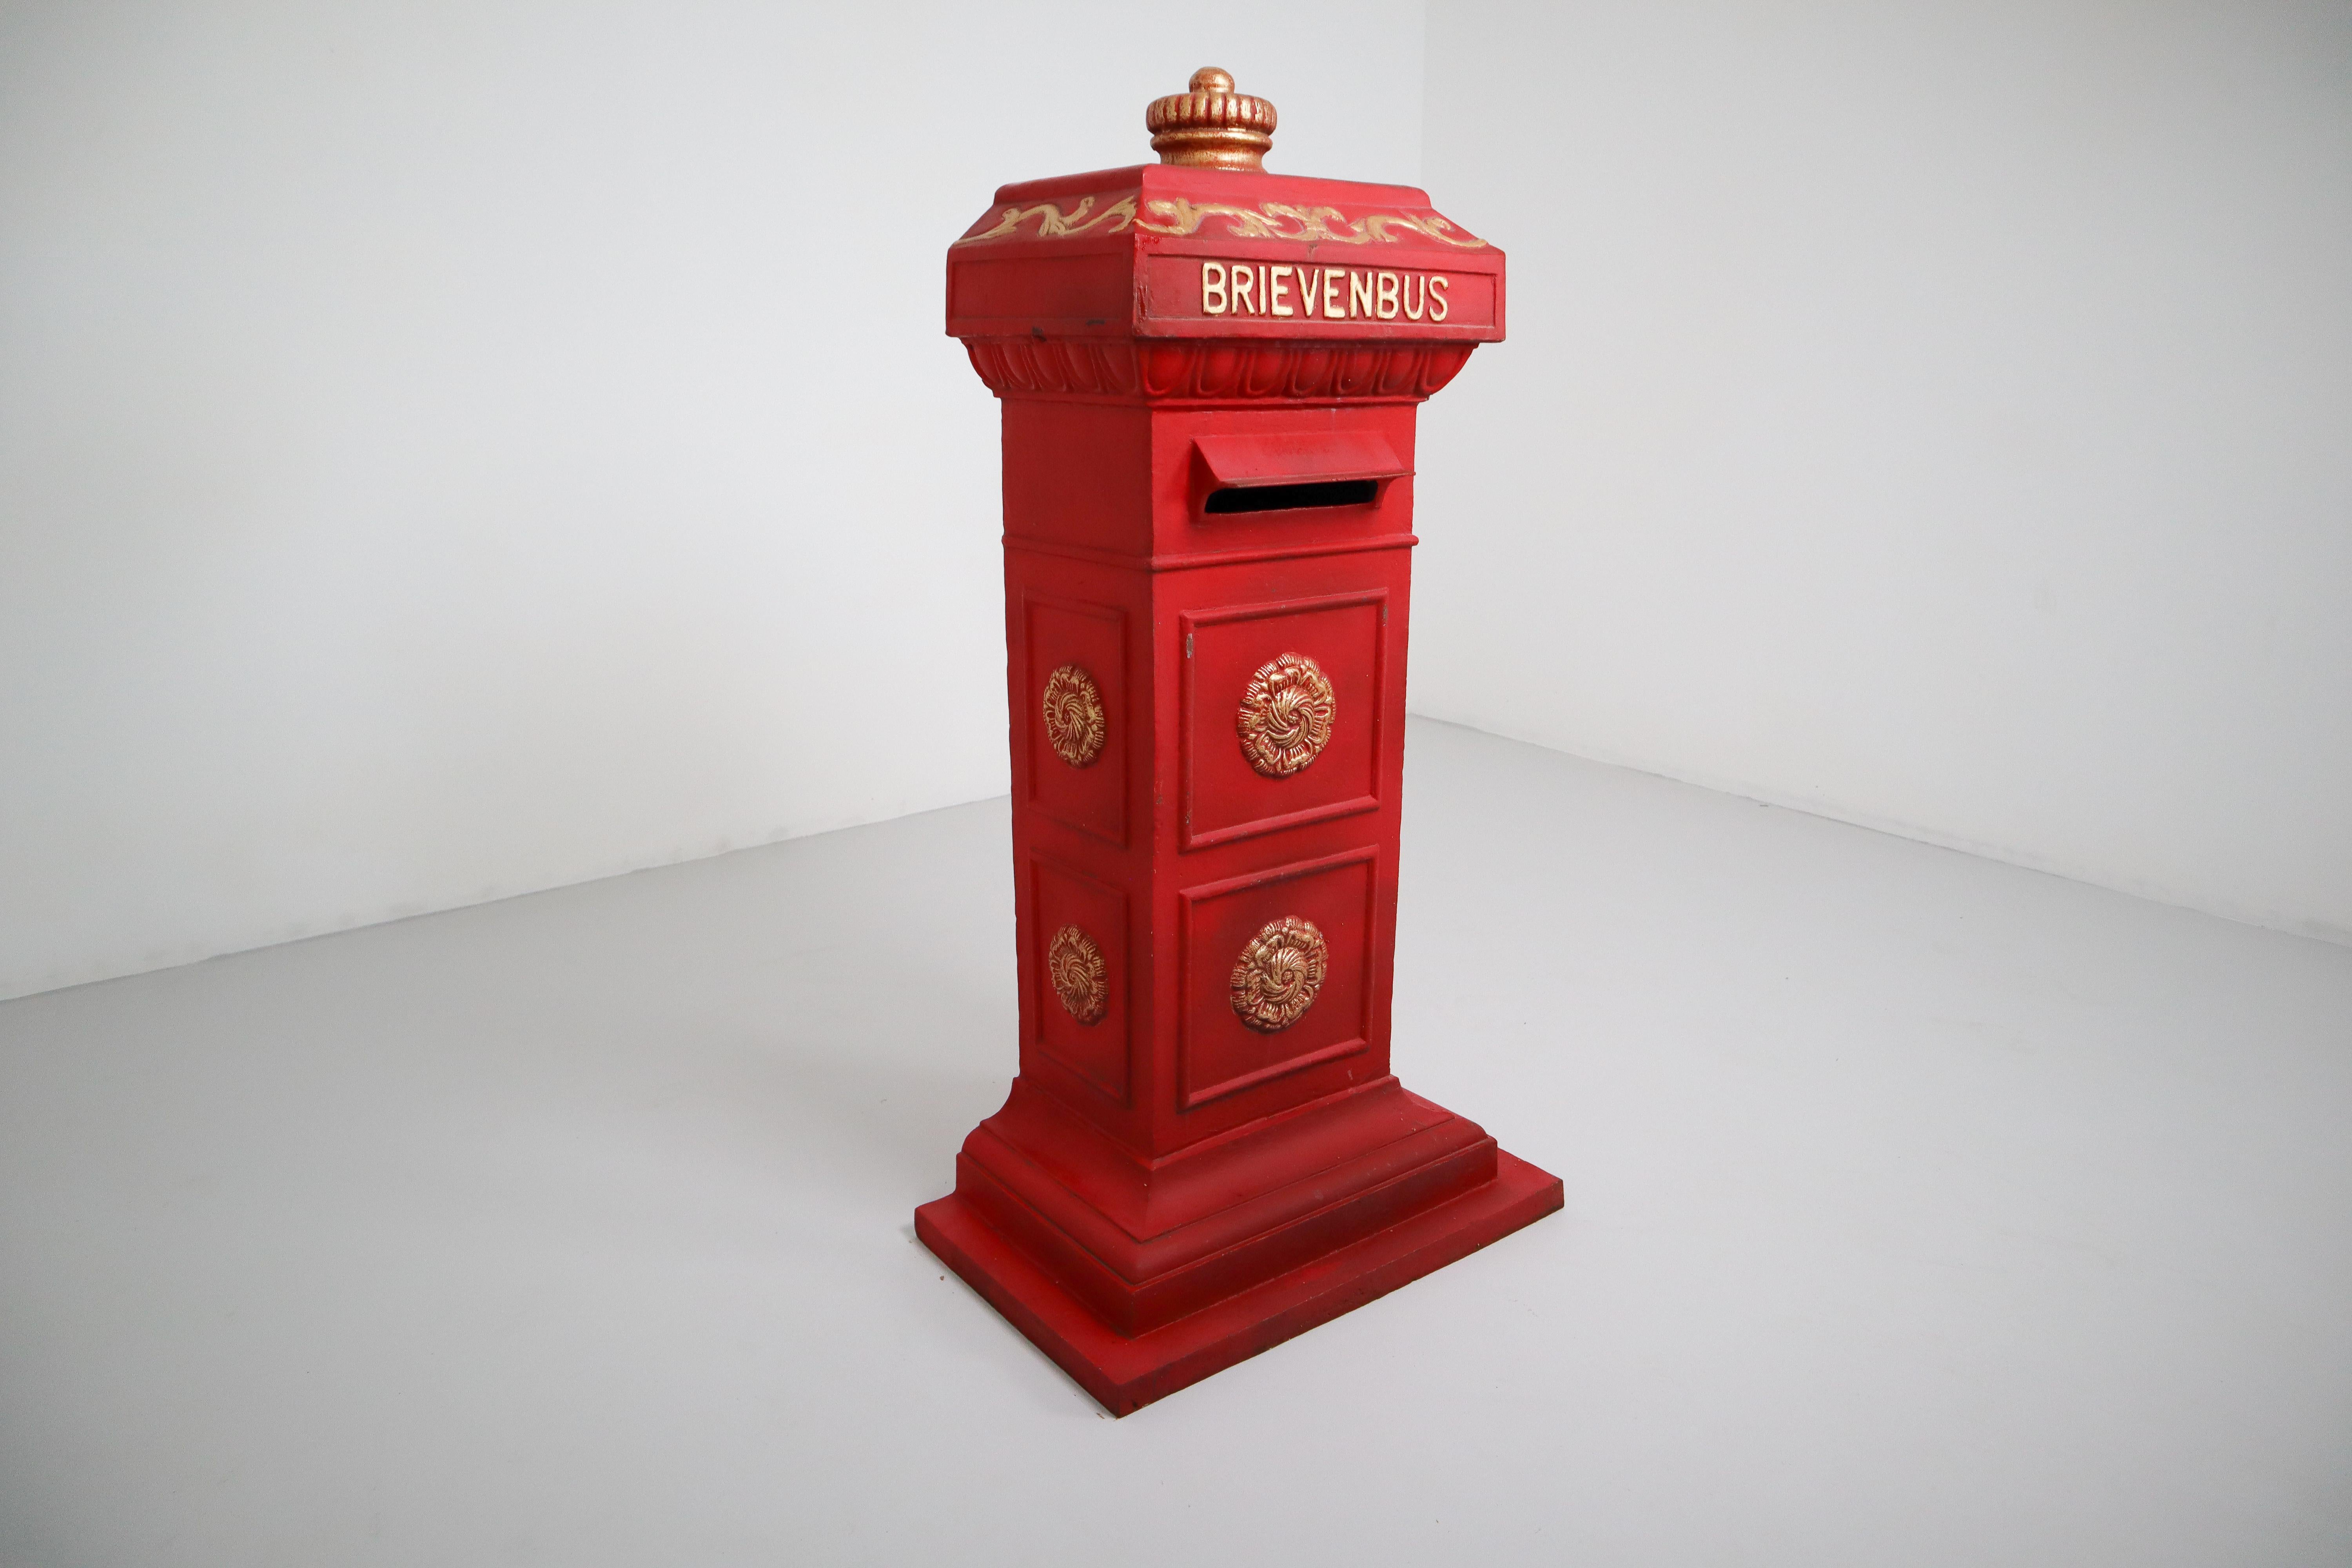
column 1124, row 1374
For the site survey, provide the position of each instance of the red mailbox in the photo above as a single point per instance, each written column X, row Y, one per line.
column 1209, row 376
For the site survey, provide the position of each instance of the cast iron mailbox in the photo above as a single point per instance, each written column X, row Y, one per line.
column 1208, row 377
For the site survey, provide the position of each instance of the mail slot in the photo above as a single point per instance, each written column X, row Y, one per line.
column 1209, row 379
column 1293, row 473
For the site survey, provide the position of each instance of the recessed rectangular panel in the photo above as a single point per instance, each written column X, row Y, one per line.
column 1080, row 965
column 1277, row 973
column 1075, row 713
column 1283, row 708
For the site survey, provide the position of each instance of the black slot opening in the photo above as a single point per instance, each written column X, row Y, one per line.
column 1288, row 498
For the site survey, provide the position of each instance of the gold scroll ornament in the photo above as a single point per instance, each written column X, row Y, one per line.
column 1286, row 715
column 1279, row 973
column 1075, row 965
column 1274, row 220
column 1269, row 220
column 1052, row 223
column 1075, row 723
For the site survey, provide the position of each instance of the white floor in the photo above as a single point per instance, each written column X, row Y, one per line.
column 1920, row 1210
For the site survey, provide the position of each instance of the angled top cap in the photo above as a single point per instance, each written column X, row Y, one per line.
column 1211, row 126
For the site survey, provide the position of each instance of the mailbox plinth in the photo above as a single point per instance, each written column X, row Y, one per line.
column 1209, row 378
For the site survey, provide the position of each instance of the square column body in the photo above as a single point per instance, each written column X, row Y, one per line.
column 1209, row 382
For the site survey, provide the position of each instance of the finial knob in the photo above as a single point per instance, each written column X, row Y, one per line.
column 1211, row 126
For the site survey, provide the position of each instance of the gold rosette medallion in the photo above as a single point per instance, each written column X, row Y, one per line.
column 1075, row 966
column 1279, row 973
column 1075, row 723
column 1286, row 715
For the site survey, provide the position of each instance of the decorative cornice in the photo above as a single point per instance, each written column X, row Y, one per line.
column 1223, row 370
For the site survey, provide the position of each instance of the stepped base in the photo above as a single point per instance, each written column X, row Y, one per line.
column 1124, row 1373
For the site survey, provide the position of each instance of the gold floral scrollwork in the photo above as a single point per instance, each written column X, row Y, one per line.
column 1274, row 220
column 1075, row 723
column 1175, row 215
column 1075, row 965
column 1052, row 223
column 1279, row 973
column 1286, row 715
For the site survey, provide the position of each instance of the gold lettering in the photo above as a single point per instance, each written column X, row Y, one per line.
column 1274, row 300
column 1414, row 308
column 1212, row 288
column 1360, row 293
column 1333, row 306
column 1309, row 296
column 1384, row 303
column 1437, row 287
column 1244, row 292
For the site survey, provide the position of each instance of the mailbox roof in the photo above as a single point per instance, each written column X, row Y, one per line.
column 1149, row 252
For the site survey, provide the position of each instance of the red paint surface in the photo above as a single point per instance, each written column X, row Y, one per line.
column 1168, row 1191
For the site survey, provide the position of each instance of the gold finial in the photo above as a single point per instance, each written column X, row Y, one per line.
column 1211, row 126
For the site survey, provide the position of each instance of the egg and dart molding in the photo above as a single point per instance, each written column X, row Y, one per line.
column 1209, row 376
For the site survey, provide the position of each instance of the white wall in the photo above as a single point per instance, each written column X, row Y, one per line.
column 451, row 450
column 1938, row 415
column 447, row 450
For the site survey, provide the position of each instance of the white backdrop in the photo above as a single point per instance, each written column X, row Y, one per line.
column 1935, row 415
column 446, row 451
column 454, row 450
